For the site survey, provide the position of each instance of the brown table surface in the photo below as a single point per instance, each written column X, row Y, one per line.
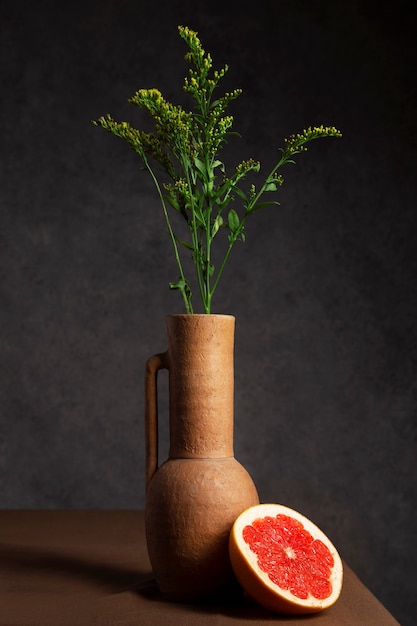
column 77, row 568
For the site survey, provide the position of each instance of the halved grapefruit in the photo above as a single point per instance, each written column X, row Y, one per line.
column 283, row 561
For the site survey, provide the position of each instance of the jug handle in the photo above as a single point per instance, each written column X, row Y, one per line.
column 153, row 365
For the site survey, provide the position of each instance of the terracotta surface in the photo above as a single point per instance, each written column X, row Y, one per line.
column 196, row 495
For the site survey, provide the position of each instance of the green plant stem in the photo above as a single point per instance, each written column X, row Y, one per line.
column 249, row 210
column 194, row 234
column 227, row 254
column 186, row 297
column 251, row 207
column 208, row 293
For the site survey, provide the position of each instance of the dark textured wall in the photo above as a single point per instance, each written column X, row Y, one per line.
column 324, row 289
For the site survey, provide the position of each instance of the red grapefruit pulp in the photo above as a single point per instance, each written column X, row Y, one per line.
column 284, row 561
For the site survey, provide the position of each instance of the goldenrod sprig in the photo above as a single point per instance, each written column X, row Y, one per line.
column 192, row 177
column 297, row 143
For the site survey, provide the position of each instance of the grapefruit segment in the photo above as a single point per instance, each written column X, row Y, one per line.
column 283, row 561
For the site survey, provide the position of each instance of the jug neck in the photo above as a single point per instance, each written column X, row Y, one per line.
column 201, row 385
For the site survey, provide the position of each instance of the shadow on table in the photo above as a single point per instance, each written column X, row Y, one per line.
column 50, row 565
column 57, row 571
column 239, row 606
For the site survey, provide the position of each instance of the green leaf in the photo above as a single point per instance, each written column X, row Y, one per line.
column 240, row 193
column 271, row 186
column 172, row 201
column 182, row 285
column 219, row 164
column 218, row 223
column 200, row 166
column 184, row 243
column 233, row 220
column 259, row 205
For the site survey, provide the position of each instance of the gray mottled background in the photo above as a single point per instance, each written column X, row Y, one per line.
column 324, row 289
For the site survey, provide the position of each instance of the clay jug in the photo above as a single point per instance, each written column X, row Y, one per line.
column 194, row 497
